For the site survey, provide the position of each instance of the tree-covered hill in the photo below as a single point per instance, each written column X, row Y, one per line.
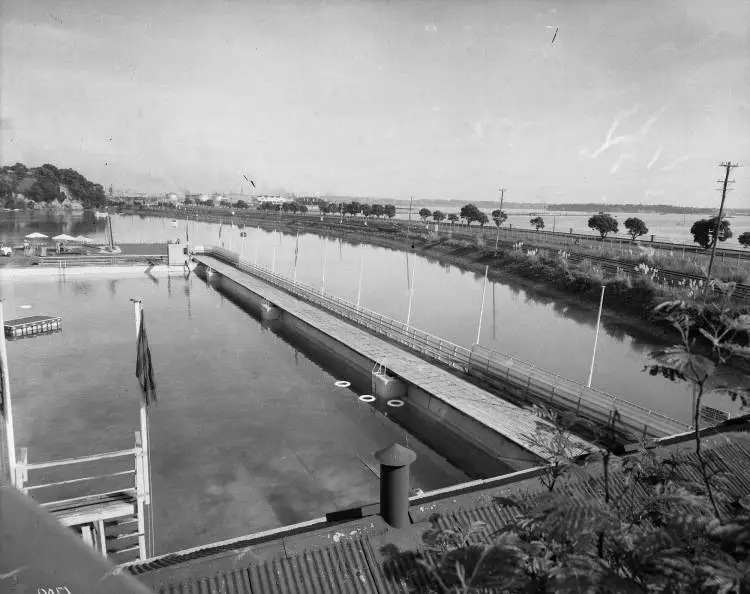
column 47, row 184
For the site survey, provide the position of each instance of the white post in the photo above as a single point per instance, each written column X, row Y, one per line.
column 481, row 309
column 361, row 269
column 325, row 248
column 411, row 293
column 596, row 338
column 296, row 257
column 5, row 403
column 138, row 307
column 257, row 239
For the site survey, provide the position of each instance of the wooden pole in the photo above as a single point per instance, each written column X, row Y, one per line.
column 138, row 308
column 481, row 309
column 729, row 167
column 323, row 275
column 596, row 337
column 9, row 459
column 361, row 270
column 411, row 292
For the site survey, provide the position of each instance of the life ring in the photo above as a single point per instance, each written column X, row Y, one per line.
column 342, row 384
column 367, row 398
column 395, row 403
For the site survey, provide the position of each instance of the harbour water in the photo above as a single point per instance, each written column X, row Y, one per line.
column 248, row 433
column 555, row 335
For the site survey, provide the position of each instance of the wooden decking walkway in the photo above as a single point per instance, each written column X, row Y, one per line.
column 507, row 419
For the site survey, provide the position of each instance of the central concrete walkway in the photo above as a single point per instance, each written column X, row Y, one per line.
column 510, row 421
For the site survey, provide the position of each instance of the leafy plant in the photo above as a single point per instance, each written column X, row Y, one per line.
column 706, row 231
column 604, row 224
column 537, row 222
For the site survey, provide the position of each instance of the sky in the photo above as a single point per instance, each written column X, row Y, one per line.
column 635, row 101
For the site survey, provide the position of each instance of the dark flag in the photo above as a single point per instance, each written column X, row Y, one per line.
column 144, row 369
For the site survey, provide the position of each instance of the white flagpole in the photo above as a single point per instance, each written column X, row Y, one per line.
column 361, row 269
column 325, row 249
column 6, row 408
column 257, row 239
column 138, row 307
column 481, row 309
column 596, row 338
column 411, row 293
column 296, row 257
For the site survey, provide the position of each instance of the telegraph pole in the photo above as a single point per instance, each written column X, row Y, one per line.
column 497, row 239
column 728, row 166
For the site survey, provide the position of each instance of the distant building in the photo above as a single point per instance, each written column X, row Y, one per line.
column 271, row 200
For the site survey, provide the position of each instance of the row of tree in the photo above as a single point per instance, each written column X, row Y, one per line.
column 704, row 231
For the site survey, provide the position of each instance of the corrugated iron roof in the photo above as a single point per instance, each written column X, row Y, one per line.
column 371, row 560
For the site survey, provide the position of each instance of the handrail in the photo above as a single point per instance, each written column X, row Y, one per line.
column 420, row 340
column 66, row 461
column 78, row 480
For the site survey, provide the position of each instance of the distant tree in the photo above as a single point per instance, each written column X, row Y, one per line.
column 353, row 208
column 483, row 219
column 470, row 213
column 744, row 239
column 302, row 208
column 378, row 210
column 604, row 224
column 438, row 216
column 323, row 206
column 333, row 208
column 366, row 210
column 210, row 202
column 424, row 213
column 190, row 201
column 241, row 204
column 452, row 218
column 499, row 216
column 390, row 210
column 705, row 230
column 636, row 227
column 537, row 222
column 286, row 206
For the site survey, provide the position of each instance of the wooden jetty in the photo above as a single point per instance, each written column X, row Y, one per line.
column 522, row 381
column 511, row 422
column 31, row 326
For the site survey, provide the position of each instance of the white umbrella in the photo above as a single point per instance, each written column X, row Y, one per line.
column 84, row 239
column 36, row 236
column 63, row 237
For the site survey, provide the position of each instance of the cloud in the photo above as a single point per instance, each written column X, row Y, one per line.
column 619, row 162
column 673, row 165
column 654, row 158
column 612, row 140
column 431, row 28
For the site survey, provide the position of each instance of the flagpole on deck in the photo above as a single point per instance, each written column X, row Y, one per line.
column 596, row 338
column 481, row 309
column 145, row 442
column 361, row 269
column 296, row 255
column 325, row 249
column 411, row 292
column 257, row 240
column 6, row 408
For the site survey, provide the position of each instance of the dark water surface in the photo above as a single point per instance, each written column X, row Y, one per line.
column 248, row 433
column 446, row 302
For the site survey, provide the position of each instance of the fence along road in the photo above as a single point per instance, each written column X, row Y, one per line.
column 519, row 378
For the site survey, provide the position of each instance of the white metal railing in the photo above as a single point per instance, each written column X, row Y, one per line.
column 534, row 383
